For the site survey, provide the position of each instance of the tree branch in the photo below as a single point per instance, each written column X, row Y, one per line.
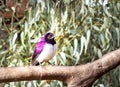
column 74, row 76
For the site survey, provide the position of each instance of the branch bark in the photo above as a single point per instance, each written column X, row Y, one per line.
column 74, row 76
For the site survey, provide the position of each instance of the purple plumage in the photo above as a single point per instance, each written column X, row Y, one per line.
column 45, row 49
column 38, row 50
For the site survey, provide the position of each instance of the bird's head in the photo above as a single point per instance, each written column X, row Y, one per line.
column 49, row 38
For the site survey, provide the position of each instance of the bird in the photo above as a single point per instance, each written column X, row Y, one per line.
column 45, row 49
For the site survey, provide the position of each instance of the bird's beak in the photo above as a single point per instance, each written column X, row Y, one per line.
column 52, row 37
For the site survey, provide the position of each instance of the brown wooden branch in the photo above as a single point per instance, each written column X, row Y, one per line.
column 74, row 76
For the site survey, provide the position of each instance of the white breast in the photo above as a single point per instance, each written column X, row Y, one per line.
column 47, row 53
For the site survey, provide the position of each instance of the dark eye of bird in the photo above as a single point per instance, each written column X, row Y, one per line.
column 49, row 37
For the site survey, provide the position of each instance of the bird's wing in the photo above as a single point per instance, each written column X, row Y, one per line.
column 37, row 51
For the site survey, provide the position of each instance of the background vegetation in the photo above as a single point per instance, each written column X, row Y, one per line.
column 85, row 30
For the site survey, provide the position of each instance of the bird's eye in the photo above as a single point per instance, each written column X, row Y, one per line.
column 49, row 36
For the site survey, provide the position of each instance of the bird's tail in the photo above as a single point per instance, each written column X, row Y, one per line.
column 35, row 63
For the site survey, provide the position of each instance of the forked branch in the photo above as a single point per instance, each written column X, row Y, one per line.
column 74, row 76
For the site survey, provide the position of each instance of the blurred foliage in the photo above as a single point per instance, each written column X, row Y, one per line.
column 85, row 30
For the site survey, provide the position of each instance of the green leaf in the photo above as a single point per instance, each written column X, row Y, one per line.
column 96, row 28
column 23, row 38
column 83, row 41
column 118, row 36
column 75, row 46
column 14, row 38
column 87, row 41
column 99, row 53
column 62, row 54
